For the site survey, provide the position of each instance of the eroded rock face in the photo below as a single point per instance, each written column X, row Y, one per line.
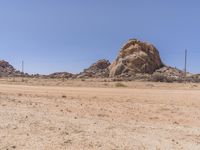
column 136, row 57
column 96, row 70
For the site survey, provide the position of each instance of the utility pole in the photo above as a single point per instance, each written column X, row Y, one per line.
column 185, row 70
column 22, row 66
column 22, row 70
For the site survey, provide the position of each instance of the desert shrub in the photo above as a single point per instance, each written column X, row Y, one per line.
column 106, row 80
column 120, row 85
column 195, row 79
column 180, row 80
column 105, row 84
column 64, row 96
column 150, row 85
column 169, row 79
column 159, row 77
column 117, row 79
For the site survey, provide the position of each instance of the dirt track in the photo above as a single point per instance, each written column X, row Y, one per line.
column 50, row 117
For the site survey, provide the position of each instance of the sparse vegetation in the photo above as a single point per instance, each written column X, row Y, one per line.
column 19, row 94
column 119, row 84
column 159, row 77
column 64, row 96
column 195, row 78
column 83, row 80
column 105, row 84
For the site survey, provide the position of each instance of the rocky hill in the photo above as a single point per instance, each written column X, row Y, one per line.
column 7, row 70
column 97, row 70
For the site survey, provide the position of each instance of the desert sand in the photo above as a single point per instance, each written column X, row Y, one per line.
column 89, row 115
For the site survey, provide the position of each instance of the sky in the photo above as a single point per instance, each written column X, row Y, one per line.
column 70, row 35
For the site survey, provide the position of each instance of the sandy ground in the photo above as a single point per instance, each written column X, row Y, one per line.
column 98, row 115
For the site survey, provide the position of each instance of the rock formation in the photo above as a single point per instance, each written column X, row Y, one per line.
column 96, row 70
column 136, row 57
column 8, row 70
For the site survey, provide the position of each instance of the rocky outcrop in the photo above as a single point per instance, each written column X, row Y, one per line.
column 136, row 57
column 96, row 70
column 8, row 70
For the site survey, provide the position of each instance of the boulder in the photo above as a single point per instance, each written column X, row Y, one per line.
column 136, row 57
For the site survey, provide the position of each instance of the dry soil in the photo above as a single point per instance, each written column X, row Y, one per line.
column 90, row 115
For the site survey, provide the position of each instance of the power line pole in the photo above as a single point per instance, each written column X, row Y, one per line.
column 22, row 66
column 22, row 70
column 185, row 70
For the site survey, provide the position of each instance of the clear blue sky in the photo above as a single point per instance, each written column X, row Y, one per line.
column 69, row 35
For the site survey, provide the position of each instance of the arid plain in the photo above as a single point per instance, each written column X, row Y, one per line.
column 43, row 114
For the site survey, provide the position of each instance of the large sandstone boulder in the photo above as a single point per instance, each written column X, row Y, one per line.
column 136, row 57
column 96, row 70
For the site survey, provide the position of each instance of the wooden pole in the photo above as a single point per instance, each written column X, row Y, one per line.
column 22, row 70
column 185, row 65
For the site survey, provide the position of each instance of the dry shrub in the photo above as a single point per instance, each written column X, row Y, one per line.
column 64, row 96
column 159, row 77
column 117, row 79
column 194, row 79
column 120, row 85
column 82, row 80
column 105, row 84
